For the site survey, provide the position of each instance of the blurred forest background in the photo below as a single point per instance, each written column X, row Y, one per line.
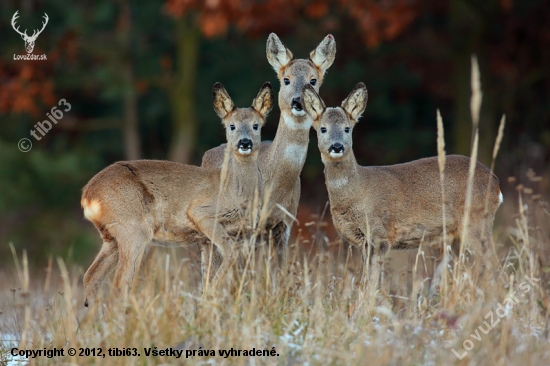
column 138, row 75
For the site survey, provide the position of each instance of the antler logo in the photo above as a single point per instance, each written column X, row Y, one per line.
column 29, row 40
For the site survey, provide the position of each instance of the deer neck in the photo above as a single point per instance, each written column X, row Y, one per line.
column 341, row 176
column 243, row 176
column 287, row 153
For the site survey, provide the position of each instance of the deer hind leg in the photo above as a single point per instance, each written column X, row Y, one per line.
column 100, row 268
column 491, row 261
column 130, row 253
column 480, row 241
column 494, row 267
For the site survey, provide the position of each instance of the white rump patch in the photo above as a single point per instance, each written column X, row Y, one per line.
column 336, row 155
column 292, row 124
column 338, row 183
column 295, row 153
column 92, row 210
column 500, row 198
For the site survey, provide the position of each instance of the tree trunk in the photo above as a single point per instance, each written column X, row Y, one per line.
column 468, row 26
column 184, row 118
column 132, row 150
column 131, row 125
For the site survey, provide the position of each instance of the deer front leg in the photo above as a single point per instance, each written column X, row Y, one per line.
column 365, row 257
column 280, row 234
column 211, row 260
column 204, row 217
column 373, row 252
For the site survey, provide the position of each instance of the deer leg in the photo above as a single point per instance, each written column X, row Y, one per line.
column 130, row 253
column 373, row 261
column 229, row 257
column 365, row 274
column 378, row 252
column 206, row 222
column 211, row 260
column 100, row 268
column 490, row 254
column 281, row 234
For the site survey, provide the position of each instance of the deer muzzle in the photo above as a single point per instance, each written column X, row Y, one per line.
column 296, row 104
column 245, row 146
column 336, row 150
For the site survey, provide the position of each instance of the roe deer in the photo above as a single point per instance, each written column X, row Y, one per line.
column 398, row 206
column 134, row 203
column 282, row 160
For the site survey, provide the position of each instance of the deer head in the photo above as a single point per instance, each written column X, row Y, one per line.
column 29, row 40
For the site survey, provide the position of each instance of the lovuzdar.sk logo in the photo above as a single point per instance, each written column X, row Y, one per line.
column 29, row 40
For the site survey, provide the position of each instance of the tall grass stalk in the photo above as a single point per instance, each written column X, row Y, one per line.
column 475, row 107
column 440, row 274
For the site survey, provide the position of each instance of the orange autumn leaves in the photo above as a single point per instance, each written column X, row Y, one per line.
column 378, row 21
column 381, row 21
column 24, row 87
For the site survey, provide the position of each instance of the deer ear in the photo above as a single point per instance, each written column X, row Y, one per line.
column 278, row 55
column 223, row 105
column 325, row 53
column 312, row 103
column 356, row 102
column 264, row 101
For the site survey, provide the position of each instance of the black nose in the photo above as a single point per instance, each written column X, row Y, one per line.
column 245, row 144
column 296, row 104
column 337, row 148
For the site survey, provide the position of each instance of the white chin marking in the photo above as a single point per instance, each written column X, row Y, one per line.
column 298, row 113
column 304, row 125
column 245, row 152
column 336, row 155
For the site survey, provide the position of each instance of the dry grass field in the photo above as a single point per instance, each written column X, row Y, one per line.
column 316, row 313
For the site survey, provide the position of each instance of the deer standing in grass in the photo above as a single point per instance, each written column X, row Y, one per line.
column 135, row 203
column 282, row 160
column 398, row 206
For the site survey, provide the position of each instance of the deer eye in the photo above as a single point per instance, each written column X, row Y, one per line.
column 346, row 129
column 232, row 127
column 255, row 126
column 313, row 82
column 323, row 130
column 286, row 81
